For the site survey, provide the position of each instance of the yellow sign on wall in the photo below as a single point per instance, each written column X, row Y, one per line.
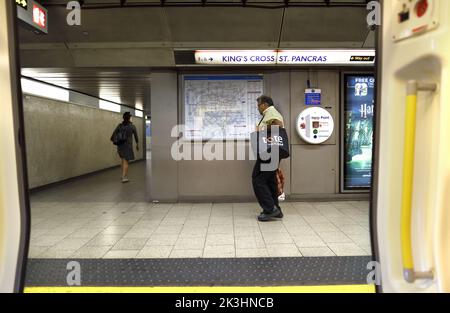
column 22, row 3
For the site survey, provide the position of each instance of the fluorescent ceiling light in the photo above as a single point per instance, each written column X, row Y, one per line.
column 104, row 104
column 139, row 109
column 44, row 90
column 109, row 106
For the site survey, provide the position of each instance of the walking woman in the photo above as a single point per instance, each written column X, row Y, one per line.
column 123, row 138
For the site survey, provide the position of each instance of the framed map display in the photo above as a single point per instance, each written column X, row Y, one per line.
column 221, row 107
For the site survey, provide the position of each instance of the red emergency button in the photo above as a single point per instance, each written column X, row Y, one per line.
column 421, row 7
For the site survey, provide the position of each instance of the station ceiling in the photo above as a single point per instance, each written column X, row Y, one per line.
column 116, row 35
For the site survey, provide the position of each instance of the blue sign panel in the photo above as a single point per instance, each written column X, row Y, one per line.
column 358, row 131
column 313, row 97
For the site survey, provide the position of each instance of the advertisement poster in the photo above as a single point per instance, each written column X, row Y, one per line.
column 358, row 131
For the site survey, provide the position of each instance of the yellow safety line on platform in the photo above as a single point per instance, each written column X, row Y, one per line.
column 285, row 289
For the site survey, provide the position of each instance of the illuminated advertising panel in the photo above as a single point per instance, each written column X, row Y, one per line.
column 359, row 104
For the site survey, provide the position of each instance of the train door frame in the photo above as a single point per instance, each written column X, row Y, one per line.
column 376, row 150
column 16, row 205
column 388, row 212
column 22, row 178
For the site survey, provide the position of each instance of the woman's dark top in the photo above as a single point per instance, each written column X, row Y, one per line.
column 126, row 150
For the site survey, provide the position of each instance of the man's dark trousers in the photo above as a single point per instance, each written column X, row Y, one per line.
column 265, row 187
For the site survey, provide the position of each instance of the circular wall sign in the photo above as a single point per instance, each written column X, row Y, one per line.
column 315, row 125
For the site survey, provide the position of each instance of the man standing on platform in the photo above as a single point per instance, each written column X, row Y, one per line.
column 265, row 181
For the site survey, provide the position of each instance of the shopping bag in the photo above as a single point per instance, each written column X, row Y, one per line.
column 280, row 184
column 266, row 142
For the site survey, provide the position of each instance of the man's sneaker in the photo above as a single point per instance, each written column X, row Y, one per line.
column 265, row 217
column 281, row 215
column 125, row 180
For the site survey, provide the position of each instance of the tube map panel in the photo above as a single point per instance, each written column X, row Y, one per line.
column 221, row 107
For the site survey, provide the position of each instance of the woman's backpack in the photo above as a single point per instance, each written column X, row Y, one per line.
column 119, row 137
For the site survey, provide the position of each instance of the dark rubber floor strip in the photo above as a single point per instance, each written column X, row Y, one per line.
column 202, row 272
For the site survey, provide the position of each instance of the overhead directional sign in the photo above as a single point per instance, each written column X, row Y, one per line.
column 285, row 57
column 328, row 57
column 236, row 57
column 33, row 14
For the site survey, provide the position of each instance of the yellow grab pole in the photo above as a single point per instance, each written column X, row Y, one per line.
column 408, row 179
column 408, row 174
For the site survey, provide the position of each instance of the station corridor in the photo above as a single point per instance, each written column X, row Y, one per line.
column 98, row 217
